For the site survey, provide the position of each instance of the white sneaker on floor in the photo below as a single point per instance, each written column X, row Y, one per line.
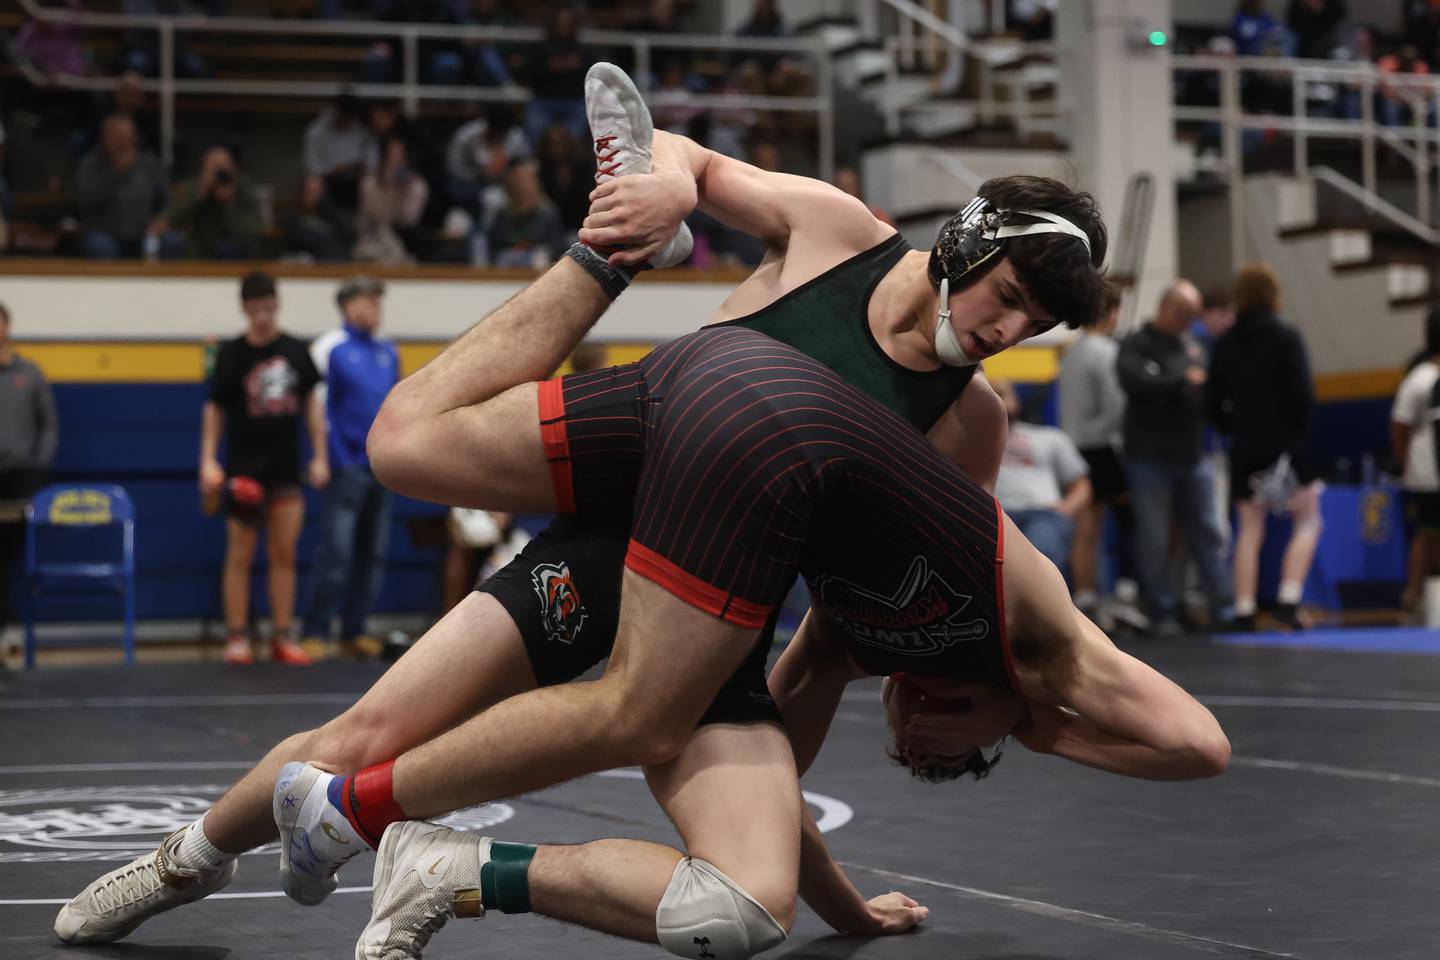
column 424, row 875
column 315, row 838
column 623, row 132
column 123, row 899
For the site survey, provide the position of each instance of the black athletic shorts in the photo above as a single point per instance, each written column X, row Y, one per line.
column 738, row 462
column 563, row 592
column 1245, row 472
column 1423, row 509
column 1107, row 474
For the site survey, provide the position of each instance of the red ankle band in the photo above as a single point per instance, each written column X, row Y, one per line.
column 373, row 806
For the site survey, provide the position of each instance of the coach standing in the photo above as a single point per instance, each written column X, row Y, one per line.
column 358, row 368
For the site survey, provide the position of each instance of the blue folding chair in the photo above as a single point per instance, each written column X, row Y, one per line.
column 54, row 523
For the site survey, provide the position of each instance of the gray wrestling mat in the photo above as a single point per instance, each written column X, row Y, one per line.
column 1322, row 842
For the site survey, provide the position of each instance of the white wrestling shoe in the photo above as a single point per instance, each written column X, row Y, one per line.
column 424, row 875
column 315, row 838
column 621, row 127
column 123, row 899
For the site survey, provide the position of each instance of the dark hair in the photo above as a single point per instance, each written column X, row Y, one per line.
column 929, row 772
column 1432, row 332
column 1215, row 298
column 1110, row 298
column 5, row 314
column 1053, row 267
column 256, row 285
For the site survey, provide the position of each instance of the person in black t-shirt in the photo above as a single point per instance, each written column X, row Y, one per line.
column 263, row 384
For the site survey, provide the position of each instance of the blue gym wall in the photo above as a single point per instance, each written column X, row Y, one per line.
column 146, row 437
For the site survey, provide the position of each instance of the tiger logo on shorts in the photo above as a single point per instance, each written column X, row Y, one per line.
column 560, row 605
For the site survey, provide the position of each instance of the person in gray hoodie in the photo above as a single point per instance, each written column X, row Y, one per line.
column 28, row 437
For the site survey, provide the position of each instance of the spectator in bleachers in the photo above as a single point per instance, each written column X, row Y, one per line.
column 1422, row 29
column 765, row 155
column 848, row 180
column 1318, row 26
column 142, row 47
column 480, row 62
column 1092, row 412
column 7, row 203
column 217, row 213
column 29, row 435
column 1043, row 483
column 262, row 389
column 567, row 174
column 728, row 130
column 1395, row 106
column 557, row 79
column 122, row 194
column 676, row 111
column 659, row 17
column 1412, row 434
column 319, row 230
column 1033, row 19
column 765, row 21
column 339, row 148
column 392, row 201
column 479, row 154
column 1162, row 371
column 55, row 49
column 1252, row 27
column 358, row 368
column 526, row 231
column 127, row 98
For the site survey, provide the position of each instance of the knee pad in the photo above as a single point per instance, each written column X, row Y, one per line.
column 704, row 915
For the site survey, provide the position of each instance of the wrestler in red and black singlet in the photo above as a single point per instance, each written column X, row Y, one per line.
column 596, row 450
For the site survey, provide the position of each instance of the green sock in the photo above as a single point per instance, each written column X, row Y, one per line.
column 505, row 879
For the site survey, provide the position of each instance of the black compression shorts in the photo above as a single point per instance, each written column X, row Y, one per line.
column 563, row 592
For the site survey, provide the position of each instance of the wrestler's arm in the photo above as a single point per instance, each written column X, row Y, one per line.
column 972, row 432
column 807, row 683
column 640, row 212
column 1124, row 716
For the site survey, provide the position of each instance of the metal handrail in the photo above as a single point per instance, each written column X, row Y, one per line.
column 410, row 91
column 1413, row 141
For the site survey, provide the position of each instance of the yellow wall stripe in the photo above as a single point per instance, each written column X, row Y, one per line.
column 100, row 362
column 117, row 362
column 1358, row 385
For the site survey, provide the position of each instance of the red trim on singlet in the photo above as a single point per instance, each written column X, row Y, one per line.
column 694, row 591
column 1000, row 596
column 557, row 443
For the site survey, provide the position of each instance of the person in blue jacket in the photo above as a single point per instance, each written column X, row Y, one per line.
column 358, row 368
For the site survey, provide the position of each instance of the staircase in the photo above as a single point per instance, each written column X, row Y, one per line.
column 1356, row 287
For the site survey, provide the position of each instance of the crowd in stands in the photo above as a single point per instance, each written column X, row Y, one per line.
column 1321, row 30
column 507, row 186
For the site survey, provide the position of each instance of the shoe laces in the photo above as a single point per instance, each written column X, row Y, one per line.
column 605, row 162
column 421, row 935
column 110, row 893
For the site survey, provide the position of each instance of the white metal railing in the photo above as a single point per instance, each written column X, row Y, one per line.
column 1414, row 141
column 410, row 92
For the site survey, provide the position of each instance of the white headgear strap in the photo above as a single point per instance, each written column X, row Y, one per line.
column 947, row 344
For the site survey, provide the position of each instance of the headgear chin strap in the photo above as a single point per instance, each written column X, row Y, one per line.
column 971, row 243
column 947, row 345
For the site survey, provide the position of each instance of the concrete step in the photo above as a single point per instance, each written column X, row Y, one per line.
column 1344, row 246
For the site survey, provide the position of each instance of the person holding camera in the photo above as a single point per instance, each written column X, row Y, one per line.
column 218, row 213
